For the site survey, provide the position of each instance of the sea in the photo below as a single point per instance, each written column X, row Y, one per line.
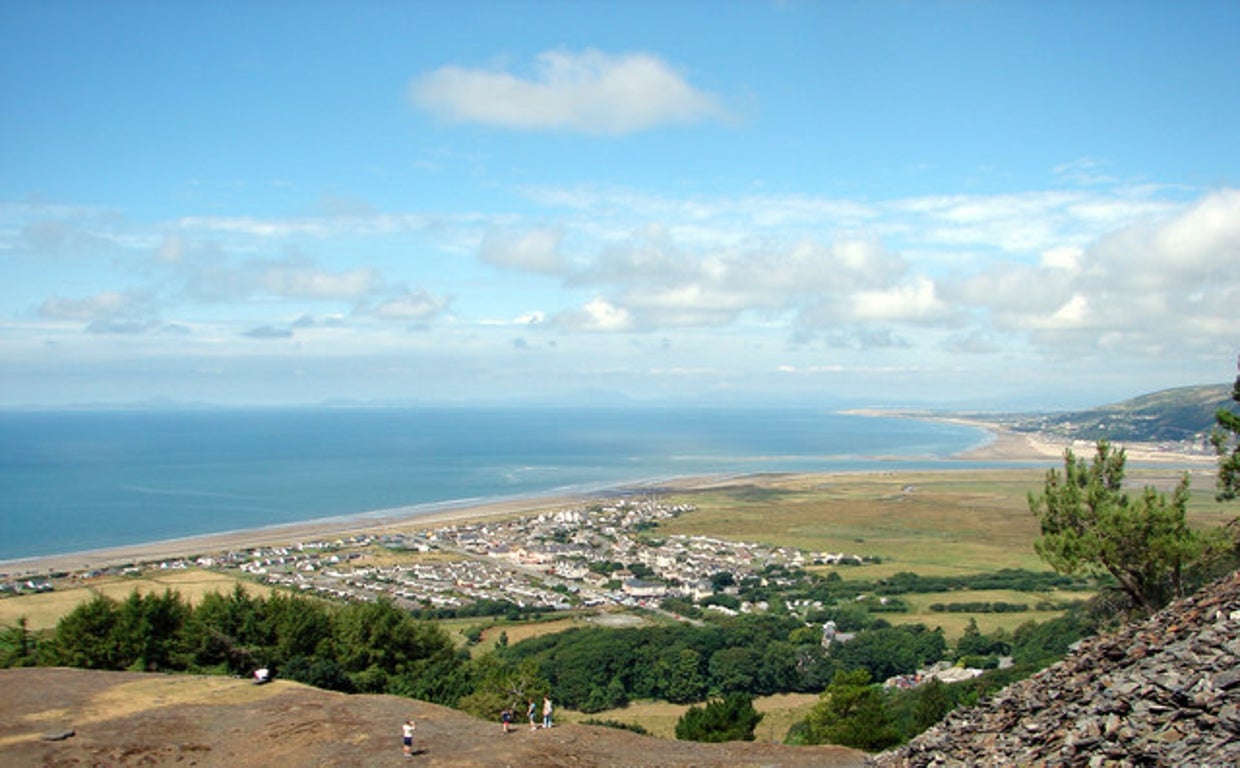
column 78, row 480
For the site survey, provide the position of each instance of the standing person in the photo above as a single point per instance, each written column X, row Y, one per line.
column 407, row 736
column 532, row 713
column 546, row 711
column 505, row 718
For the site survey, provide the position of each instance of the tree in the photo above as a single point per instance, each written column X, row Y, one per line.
column 851, row 713
column 890, row 651
column 685, row 681
column 732, row 718
column 933, row 703
column 85, row 636
column 19, row 647
column 735, row 670
column 1226, row 441
column 1091, row 525
column 501, row 685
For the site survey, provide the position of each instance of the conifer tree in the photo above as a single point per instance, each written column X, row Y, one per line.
column 1091, row 525
column 1226, row 441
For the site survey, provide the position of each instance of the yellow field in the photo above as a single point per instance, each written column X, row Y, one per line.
column 779, row 713
column 43, row 610
column 524, row 630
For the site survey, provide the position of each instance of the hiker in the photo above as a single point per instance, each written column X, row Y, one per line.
column 407, row 736
column 532, row 713
column 546, row 711
column 505, row 718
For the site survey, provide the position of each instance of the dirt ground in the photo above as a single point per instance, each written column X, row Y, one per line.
column 134, row 719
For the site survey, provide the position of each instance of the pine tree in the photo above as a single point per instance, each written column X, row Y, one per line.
column 1091, row 525
column 1226, row 441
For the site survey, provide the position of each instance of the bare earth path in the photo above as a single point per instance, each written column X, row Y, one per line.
column 135, row 719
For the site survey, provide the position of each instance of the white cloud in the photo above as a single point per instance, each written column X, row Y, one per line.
column 589, row 91
column 334, row 222
column 536, row 250
column 1129, row 271
column 411, row 306
column 1072, row 314
column 664, row 284
column 1066, row 257
column 219, row 281
column 306, row 281
column 1156, row 283
column 914, row 300
column 106, row 305
column 1086, row 171
column 596, row 315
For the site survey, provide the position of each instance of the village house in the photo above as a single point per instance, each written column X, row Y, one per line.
column 644, row 589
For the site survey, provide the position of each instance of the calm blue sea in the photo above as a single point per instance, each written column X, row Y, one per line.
column 78, row 480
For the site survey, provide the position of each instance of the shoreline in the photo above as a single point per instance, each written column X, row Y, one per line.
column 1003, row 446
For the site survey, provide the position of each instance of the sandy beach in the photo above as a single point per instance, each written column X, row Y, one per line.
column 334, row 528
column 313, row 530
column 1004, row 446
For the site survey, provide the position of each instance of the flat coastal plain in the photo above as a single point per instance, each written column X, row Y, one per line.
column 1029, row 451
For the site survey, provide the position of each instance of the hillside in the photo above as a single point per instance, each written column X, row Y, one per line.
column 1180, row 415
column 136, row 719
column 1163, row 692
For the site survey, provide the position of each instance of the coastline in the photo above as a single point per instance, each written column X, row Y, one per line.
column 371, row 523
column 1003, row 446
column 275, row 535
column 1009, row 445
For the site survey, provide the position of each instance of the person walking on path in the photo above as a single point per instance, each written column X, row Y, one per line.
column 407, row 736
column 505, row 718
column 546, row 711
column 532, row 713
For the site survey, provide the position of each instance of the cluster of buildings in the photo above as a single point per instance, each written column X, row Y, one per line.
column 581, row 556
column 605, row 553
column 25, row 586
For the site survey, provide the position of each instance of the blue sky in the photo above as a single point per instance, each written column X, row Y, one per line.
column 961, row 204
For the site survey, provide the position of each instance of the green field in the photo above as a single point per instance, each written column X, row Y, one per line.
column 931, row 523
column 953, row 624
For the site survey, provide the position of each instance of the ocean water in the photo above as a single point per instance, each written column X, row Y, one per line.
column 79, row 480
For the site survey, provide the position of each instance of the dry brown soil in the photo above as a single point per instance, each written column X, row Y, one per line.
column 136, row 719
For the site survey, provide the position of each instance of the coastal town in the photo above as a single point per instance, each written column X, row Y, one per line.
column 596, row 554
column 589, row 555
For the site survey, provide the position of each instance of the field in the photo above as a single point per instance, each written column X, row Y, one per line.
column 43, row 610
column 953, row 624
column 779, row 713
column 938, row 523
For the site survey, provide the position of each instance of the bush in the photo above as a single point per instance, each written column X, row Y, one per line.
column 728, row 719
column 634, row 727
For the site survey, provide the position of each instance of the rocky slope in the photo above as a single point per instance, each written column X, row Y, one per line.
column 1164, row 692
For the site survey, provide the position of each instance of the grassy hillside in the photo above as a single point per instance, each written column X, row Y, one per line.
column 1180, row 415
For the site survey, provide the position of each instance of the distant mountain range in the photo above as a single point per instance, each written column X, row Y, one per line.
column 1180, row 415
